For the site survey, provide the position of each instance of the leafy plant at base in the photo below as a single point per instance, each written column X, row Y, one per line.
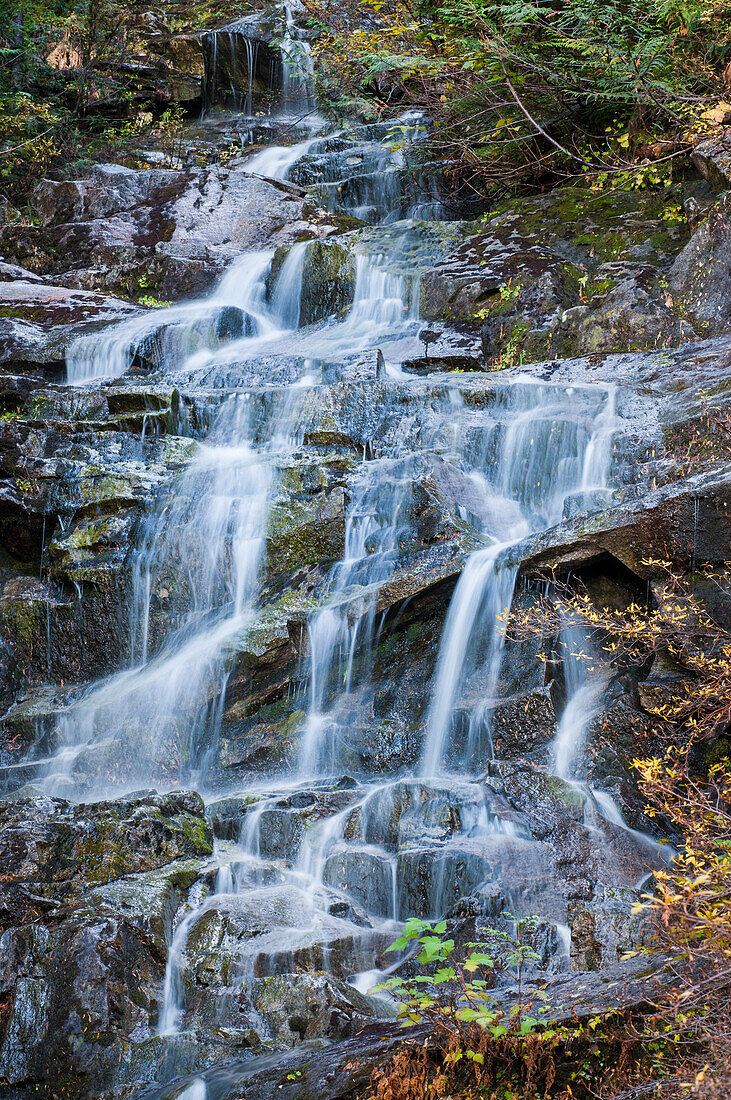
column 473, row 1043
column 456, row 988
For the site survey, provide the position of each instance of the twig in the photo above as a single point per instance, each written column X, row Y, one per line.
column 35, row 137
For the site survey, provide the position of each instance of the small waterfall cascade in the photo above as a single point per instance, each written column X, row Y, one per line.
column 584, row 695
column 244, row 73
column 583, row 699
column 543, row 460
column 378, row 178
column 201, row 554
column 344, row 628
column 480, row 607
column 240, row 71
column 168, row 338
column 298, row 77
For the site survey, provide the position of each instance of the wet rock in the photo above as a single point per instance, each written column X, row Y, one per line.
column 231, row 211
column 306, row 530
column 602, row 932
column 109, row 189
column 263, row 744
column 39, row 321
column 274, row 929
column 431, row 880
column 69, row 1012
column 367, row 873
column 31, row 714
column 683, row 521
column 328, row 281
column 184, row 58
column 157, row 231
column 57, row 849
column 296, row 1007
column 148, row 901
column 699, row 280
column 226, row 815
column 587, row 846
column 618, row 736
column 523, row 722
column 539, row 289
column 242, row 62
column 88, row 901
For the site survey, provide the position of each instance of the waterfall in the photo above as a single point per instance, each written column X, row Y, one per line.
column 434, row 477
column 345, row 624
column 209, row 541
column 171, row 337
column 298, row 77
column 287, row 294
column 543, row 459
column 583, row 699
column 275, row 161
column 238, row 54
column 481, row 601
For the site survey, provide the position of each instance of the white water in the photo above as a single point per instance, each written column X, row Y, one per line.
column 348, row 877
column 374, row 523
column 195, row 1091
column 298, row 83
column 544, row 456
column 173, row 335
column 275, row 161
column 482, row 600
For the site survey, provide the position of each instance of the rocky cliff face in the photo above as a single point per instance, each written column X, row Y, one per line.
column 254, row 556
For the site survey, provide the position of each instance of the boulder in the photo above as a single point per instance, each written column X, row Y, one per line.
column 328, row 280
column 157, row 231
column 89, row 895
column 565, row 274
column 713, row 159
column 523, row 722
column 700, row 279
column 109, row 189
column 684, row 521
column 297, row 1007
column 58, row 850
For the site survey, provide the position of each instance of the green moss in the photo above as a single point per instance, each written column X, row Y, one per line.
column 604, row 225
column 25, row 619
column 565, row 793
column 196, row 832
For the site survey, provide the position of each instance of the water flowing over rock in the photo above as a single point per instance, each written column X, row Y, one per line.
column 258, row 553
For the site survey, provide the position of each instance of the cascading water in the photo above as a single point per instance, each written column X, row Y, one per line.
column 374, row 527
column 169, row 337
column 298, row 83
column 543, row 460
column 209, row 541
column 583, row 698
column 340, row 845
